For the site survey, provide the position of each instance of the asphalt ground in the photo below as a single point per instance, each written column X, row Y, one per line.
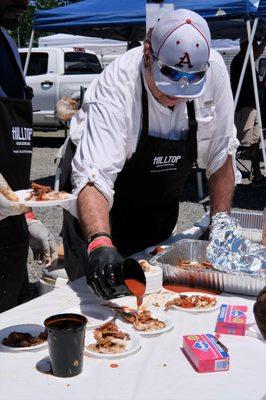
column 46, row 145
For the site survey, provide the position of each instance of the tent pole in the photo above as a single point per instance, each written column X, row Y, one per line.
column 256, row 94
column 245, row 63
column 29, row 53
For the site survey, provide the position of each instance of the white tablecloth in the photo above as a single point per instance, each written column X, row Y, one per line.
column 158, row 371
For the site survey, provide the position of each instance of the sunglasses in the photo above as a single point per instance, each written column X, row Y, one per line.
column 175, row 74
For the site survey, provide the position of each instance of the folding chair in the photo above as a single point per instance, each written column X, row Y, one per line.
column 199, row 180
column 243, row 153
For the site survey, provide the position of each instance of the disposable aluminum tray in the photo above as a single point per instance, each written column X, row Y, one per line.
column 195, row 250
column 249, row 221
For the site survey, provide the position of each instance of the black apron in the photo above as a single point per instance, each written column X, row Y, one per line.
column 15, row 164
column 146, row 199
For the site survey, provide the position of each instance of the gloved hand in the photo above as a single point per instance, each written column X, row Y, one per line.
column 9, row 208
column 228, row 251
column 42, row 243
column 104, row 272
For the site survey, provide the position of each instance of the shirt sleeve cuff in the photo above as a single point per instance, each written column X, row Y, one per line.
column 93, row 176
column 220, row 159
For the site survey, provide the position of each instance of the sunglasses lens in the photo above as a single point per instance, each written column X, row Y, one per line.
column 175, row 75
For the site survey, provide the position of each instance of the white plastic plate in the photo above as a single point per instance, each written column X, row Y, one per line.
column 197, row 310
column 23, row 194
column 161, row 316
column 132, row 345
column 33, row 329
column 96, row 315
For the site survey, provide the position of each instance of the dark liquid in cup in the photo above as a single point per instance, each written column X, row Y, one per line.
column 65, row 323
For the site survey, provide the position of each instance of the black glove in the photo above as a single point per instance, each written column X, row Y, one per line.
column 104, row 272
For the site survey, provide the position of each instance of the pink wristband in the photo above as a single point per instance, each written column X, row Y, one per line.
column 30, row 215
column 100, row 241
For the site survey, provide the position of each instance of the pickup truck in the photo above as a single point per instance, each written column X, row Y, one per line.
column 54, row 73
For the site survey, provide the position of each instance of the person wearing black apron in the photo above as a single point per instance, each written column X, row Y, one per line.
column 140, row 157
column 134, row 202
column 15, row 164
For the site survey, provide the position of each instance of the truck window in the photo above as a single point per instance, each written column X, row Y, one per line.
column 81, row 63
column 38, row 63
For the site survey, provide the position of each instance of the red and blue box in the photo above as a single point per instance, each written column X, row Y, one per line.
column 232, row 320
column 206, row 353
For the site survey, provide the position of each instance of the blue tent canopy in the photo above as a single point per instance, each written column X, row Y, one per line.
column 124, row 19
column 262, row 9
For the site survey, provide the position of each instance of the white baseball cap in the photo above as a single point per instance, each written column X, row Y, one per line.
column 181, row 40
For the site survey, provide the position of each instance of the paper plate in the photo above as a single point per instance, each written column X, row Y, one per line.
column 33, row 329
column 197, row 310
column 96, row 315
column 132, row 345
column 23, row 194
column 161, row 316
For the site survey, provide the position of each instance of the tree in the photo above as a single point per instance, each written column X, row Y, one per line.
column 22, row 35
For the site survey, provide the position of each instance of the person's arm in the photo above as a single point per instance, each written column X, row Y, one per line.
column 100, row 156
column 93, row 211
column 221, row 188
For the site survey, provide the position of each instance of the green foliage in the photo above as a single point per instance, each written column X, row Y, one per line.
column 22, row 35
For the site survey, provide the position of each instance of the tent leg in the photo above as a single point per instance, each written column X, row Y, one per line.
column 29, row 53
column 256, row 93
column 245, row 62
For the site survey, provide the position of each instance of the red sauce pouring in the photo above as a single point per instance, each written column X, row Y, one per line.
column 137, row 289
column 134, row 279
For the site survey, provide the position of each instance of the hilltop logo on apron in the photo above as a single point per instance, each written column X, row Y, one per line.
column 21, row 139
column 165, row 163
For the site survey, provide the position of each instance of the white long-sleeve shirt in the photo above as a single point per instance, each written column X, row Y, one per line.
column 108, row 126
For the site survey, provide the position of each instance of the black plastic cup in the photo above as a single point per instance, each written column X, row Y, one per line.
column 66, row 334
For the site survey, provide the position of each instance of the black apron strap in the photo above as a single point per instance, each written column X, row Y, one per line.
column 145, row 111
column 28, row 91
column 192, row 122
column 191, row 144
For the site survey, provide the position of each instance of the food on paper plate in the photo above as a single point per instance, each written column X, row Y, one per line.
column 6, row 190
column 45, row 193
column 194, row 265
column 197, row 302
column 141, row 320
column 109, row 339
column 23, row 339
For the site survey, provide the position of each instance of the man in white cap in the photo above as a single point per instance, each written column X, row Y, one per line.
column 144, row 121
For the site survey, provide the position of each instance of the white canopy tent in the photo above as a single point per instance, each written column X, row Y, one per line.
column 100, row 46
column 106, row 49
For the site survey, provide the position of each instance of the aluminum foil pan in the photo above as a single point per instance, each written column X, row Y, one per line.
column 250, row 224
column 248, row 219
column 195, row 250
